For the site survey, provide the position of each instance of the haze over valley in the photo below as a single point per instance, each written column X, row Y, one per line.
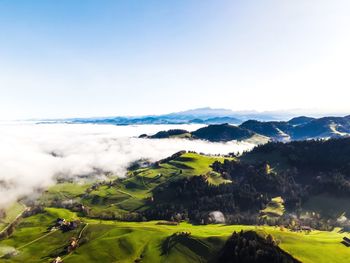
column 184, row 131
column 33, row 156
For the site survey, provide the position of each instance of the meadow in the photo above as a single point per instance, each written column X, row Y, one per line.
column 112, row 241
column 153, row 241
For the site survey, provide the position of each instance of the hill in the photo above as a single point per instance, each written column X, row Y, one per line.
column 275, row 130
column 297, row 173
column 300, row 120
column 213, row 133
column 163, row 211
column 301, row 128
column 221, row 120
column 261, row 250
column 156, row 241
column 204, row 115
column 222, row 132
column 176, row 133
column 322, row 128
column 128, row 198
column 201, row 115
column 189, row 186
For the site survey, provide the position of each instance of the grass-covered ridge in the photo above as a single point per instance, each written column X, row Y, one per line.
column 133, row 193
column 120, row 218
column 111, row 241
column 222, row 132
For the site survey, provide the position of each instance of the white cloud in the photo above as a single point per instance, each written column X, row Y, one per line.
column 26, row 160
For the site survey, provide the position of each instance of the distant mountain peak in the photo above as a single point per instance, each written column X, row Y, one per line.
column 205, row 111
column 206, row 115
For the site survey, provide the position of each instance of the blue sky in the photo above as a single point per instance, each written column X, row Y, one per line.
column 99, row 58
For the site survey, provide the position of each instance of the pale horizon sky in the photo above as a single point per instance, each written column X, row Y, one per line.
column 105, row 58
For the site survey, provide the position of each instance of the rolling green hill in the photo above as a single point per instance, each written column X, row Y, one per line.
column 113, row 227
column 111, row 241
column 213, row 133
column 115, row 199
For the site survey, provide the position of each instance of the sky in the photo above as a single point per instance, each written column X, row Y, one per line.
column 104, row 58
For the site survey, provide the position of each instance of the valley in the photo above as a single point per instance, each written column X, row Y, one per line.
column 160, row 211
column 185, row 131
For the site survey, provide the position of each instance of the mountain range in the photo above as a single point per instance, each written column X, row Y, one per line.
column 204, row 115
column 299, row 128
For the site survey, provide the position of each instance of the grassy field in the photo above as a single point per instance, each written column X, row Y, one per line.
column 11, row 213
column 188, row 164
column 35, row 228
column 133, row 192
column 141, row 182
column 114, row 241
column 111, row 241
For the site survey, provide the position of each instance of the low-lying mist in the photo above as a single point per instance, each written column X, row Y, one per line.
column 32, row 156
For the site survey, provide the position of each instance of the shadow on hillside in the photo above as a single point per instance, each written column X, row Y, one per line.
column 181, row 165
column 178, row 239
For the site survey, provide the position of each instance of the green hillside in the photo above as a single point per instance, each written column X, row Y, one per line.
column 10, row 215
column 102, row 208
column 115, row 199
column 111, row 241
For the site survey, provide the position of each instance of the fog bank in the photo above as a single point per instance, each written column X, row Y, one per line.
column 32, row 155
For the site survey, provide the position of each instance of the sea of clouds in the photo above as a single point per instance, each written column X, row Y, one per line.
column 33, row 155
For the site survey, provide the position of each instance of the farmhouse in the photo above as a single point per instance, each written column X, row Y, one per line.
column 65, row 225
column 57, row 260
column 73, row 244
